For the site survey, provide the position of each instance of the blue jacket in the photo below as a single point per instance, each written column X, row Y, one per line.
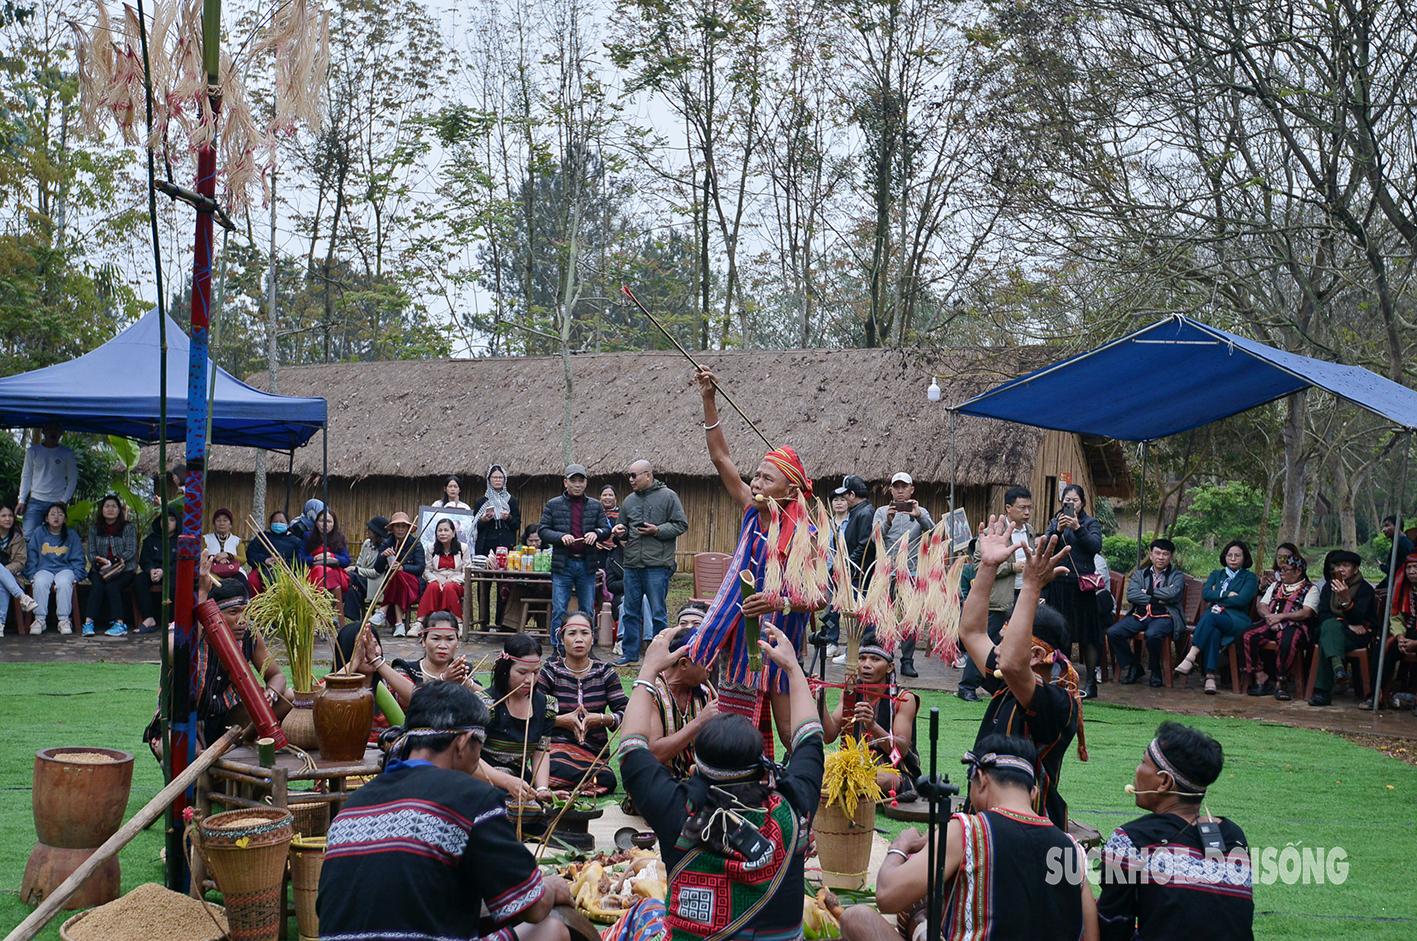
column 1245, row 586
column 49, row 553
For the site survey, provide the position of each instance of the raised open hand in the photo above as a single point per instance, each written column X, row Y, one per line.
column 996, row 545
column 1041, row 564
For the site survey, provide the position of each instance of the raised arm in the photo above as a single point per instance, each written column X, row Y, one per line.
column 992, row 549
column 1041, row 566
column 717, row 443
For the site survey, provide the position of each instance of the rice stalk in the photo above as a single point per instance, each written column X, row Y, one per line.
column 296, row 613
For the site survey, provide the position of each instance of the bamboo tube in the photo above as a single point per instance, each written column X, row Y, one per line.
column 752, row 627
column 50, row 907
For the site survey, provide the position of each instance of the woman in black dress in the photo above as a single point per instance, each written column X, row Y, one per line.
column 1083, row 534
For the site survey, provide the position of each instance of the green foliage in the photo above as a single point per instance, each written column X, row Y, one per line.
column 1120, row 551
column 1224, row 512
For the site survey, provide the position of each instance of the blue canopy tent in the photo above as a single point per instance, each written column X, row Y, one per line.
column 114, row 390
column 1178, row 374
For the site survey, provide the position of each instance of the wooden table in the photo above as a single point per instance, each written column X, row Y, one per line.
column 237, row 780
column 478, row 606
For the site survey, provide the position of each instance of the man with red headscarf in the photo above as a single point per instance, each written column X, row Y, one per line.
column 775, row 487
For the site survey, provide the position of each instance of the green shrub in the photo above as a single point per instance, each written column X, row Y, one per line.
column 1191, row 557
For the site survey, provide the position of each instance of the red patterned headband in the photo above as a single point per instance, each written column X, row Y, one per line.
column 786, row 460
column 528, row 661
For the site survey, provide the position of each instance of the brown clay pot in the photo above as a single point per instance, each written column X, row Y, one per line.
column 49, row 866
column 344, row 714
column 299, row 722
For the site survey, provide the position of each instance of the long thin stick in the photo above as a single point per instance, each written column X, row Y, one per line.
column 546, row 837
column 47, row 909
column 624, row 289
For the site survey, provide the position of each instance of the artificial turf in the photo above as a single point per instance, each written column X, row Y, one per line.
column 1284, row 787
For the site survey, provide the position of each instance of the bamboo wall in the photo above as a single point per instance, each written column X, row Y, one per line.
column 714, row 519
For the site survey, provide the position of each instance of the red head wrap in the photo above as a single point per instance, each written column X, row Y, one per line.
column 786, row 460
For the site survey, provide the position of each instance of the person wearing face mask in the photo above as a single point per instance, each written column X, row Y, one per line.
column 1229, row 591
column 1176, row 868
column 268, row 550
column 496, row 514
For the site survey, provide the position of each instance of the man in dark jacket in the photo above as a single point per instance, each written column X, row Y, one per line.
column 651, row 520
column 1347, row 615
column 860, row 516
column 1155, row 594
column 572, row 525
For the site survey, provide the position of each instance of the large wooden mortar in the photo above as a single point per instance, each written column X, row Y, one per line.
column 80, row 795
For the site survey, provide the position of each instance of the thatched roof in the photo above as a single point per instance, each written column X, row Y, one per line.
column 845, row 411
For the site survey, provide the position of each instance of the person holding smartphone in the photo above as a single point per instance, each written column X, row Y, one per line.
column 1083, row 535
column 903, row 518
column 651, row 521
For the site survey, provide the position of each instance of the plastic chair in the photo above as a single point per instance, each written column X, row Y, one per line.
column 710, row 569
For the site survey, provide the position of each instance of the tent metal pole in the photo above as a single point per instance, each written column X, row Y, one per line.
column 1391, row 572
column 1141, row 500
column 325, row 483
column 954, row 465
column 289, row 478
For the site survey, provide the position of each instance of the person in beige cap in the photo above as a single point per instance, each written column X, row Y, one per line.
column 402, row 554
column 903, row 518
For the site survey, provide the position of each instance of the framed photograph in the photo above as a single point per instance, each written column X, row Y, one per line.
column 957, row 524
column 462, row 520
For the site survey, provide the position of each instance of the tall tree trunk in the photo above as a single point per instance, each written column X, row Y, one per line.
column 1295, row 468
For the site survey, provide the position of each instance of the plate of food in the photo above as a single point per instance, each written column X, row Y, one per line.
column 608, row 885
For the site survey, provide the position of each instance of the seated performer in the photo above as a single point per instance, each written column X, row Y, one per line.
column 1229, row 591
column 1347, row 615
column 1155, row 594
column 591, row 702
column 519, row 733
column 1160, row 874
column 778, row 479
column 1286, row 609
column 216, row 701
column 1034, row 688
column 684, row 700
column 726, row 880
column 885, row 715
column 440, row 661
column 1402, row 623
column 1011, row 873
column 420, row 850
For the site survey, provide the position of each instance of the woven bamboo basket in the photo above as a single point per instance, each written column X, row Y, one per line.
column 245, row 851
column 844, row 844
column 312, row 818
column 307, row 857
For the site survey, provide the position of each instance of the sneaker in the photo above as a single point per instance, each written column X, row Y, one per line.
column 87, row 629
column 65, row 627
column 117, row 629
column 399, row 630
column 839, row 658
column 626, row 661
column 833, row 650
column 146, row 628
column 28, row 604
column 417, row 630
column 2, row 628
column 379, row 619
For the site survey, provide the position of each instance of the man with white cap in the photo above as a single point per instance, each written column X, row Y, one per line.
column 904, row 518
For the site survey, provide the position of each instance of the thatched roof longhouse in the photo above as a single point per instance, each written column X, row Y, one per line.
column 845, row 411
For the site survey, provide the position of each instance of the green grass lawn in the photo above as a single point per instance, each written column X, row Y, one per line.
column 1283, row 786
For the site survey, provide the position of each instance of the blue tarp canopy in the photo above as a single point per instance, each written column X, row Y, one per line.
column 114, row 390
column 1176, row 375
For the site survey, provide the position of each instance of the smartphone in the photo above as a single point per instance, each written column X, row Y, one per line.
column 1067, row 511
column 902, row 506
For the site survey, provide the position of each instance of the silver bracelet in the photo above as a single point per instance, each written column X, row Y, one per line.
column 713, row 426
column 898, row 852
column 644, row 683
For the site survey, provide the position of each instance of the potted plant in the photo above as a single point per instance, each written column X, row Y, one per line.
column 296, row 612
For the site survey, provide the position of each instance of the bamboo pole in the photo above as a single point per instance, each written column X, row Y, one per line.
column 50, row 907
